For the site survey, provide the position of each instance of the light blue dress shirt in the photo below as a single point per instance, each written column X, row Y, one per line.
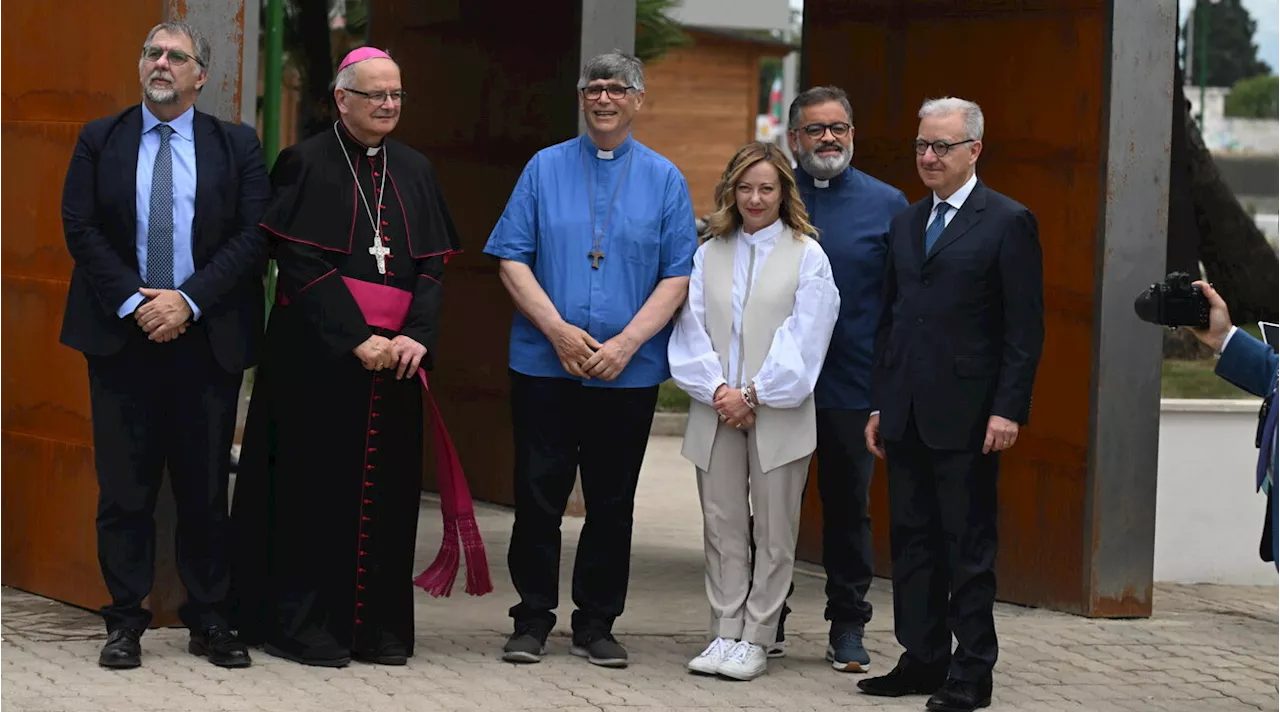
column 547, row 225
column 183, row 147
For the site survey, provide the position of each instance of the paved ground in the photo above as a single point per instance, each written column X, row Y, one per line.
column 1206, row 647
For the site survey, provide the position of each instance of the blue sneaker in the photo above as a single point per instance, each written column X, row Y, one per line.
column 845, row 650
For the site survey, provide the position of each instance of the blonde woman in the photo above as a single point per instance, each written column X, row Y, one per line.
column 747, row 347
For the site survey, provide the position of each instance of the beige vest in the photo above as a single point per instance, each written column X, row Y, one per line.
column 782, row 435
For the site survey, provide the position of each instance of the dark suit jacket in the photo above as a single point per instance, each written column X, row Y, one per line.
column 100, row 222
column 962, row 328
column 1252, row 365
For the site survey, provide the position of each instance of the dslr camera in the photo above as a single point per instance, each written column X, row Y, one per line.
column 1174, row 302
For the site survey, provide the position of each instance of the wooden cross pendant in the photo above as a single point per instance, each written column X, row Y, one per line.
column 596, row 256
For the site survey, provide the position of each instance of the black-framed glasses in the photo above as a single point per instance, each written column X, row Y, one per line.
column 380, row 97
column 940, row 148
column 839, row 129
column 615, row 91
column 176, row 56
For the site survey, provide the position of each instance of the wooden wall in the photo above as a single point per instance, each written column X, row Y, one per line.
column 1040, row 76
column 700, row 107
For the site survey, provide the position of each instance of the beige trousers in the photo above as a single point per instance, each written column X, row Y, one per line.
column 746, row 604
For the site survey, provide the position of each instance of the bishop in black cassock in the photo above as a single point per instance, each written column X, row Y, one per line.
column 326, row 500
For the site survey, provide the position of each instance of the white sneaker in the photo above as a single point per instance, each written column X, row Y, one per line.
column 744, row 661
column 709, row 660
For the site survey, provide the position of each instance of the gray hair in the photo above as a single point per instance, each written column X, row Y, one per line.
column 614, row 65
column 815, row 96
column 949, row 105
column 204, row 51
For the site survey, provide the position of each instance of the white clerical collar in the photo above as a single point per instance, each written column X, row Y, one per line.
column 372, row 150
column 763, row 234
column 600, row 153
column 956, row 199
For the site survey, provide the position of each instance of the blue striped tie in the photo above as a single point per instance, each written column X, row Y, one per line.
column 936, row 227
column 160, row 216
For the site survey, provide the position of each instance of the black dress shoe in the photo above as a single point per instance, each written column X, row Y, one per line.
column 122, row 651
column 904, row 680
column 960, row 696
column 380, row 648
column 221, row 647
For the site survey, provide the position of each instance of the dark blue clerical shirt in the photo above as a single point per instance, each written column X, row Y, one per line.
column 852, row 213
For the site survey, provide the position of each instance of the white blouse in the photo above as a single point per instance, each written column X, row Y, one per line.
column 790, row 370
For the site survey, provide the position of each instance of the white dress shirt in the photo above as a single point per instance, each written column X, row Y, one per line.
column 955, row 200
column 790, row 370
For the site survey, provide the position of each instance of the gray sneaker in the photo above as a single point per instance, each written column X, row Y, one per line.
column 527, row 645
column 845, row 650
column 599, row 649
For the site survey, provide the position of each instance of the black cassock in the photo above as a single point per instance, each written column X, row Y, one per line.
column 324, row 515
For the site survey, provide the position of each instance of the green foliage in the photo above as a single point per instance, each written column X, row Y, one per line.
column 1255, row 98
column 656, row 33
column 1224, row 33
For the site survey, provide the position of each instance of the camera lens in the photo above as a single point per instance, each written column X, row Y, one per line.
column 1147, row 305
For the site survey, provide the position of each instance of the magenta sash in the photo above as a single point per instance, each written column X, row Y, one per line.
column 386, row 307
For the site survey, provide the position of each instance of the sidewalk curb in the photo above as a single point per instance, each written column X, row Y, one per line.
column 668, row 424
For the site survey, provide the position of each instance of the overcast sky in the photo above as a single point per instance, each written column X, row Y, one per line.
column 1267, row 14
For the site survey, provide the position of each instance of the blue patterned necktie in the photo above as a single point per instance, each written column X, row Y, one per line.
column 160, row 216
column 936, row 227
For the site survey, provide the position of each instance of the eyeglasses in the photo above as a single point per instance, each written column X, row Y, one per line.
column 940, row 148
column 380, row 97
column 839, row 129
column 176, row 56
column 615, row 92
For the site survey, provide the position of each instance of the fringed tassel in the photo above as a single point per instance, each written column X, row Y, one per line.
column 478, row 582
column 438, row 578
column 459, row 518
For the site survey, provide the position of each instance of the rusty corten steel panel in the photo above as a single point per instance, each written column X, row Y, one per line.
column 510, row 93
column 1038, row 71
column 51, row 87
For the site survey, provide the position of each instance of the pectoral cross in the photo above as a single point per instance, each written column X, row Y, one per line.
column 596, row 256
column 379, row 252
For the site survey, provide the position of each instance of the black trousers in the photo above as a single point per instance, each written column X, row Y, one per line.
column 845, row 467
column 942, row 536
column 561, row 427
column 156, row 406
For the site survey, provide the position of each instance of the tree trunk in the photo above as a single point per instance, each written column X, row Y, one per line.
column 1237, row 259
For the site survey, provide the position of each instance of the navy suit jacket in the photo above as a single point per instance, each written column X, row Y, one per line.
column 100, row 224
column 962, row 328
column 1252, row 365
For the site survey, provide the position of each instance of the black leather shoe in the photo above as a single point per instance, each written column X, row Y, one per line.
column 960, row 696
column 904, row 680
column 221, row 647
column 380, row 648
column 122, row 651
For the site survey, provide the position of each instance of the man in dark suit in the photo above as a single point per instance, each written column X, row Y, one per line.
column 956, row 355
column 160, row 210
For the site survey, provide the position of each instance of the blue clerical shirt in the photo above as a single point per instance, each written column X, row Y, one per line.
column 649, row 236
column 852, row 213
column 182, row 146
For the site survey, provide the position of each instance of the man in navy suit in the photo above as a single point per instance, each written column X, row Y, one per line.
column 956, row 354
column 1250, row 365
column 160, row 211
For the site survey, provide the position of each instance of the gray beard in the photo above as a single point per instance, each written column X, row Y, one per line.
column 824, row 168
column 161, row 96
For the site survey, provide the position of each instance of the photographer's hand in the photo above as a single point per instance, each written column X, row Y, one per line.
column 1219, row 319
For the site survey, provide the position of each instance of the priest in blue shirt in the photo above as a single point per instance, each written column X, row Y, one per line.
column 852, row 211
column 595, row 247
